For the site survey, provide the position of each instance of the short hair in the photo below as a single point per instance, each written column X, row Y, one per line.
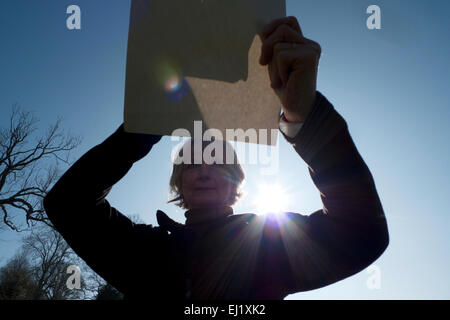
column 234, row 171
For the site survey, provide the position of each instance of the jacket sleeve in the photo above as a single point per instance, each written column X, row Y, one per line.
column 350, row 231
column 106, row 239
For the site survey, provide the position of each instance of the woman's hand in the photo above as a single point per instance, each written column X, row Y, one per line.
column 135, row 146
column 293, row 62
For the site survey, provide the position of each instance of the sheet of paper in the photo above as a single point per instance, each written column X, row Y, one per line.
column 197, row 60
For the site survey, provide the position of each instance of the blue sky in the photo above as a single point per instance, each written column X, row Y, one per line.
column 391, row 85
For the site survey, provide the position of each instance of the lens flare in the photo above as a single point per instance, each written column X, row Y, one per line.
column 172, row 84
column 169, row 77
column 176, row 88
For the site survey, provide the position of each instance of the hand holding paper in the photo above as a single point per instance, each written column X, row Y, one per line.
column 293, row 61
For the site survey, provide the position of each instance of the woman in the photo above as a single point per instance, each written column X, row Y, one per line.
column 217, row 254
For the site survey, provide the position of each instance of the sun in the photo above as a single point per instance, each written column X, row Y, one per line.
column 271, row 198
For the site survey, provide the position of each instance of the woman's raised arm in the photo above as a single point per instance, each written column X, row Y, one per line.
column 106, row 239
column 349, row 233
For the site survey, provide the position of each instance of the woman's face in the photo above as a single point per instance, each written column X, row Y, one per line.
column 206, row 185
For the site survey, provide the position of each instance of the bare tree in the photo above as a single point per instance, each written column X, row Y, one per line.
column 136, row 218
column 16, row 282
column 25, row 172
column 50, row 256
column 39, row 271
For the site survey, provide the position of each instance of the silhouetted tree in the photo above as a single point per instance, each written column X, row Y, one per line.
column 50, row 256
column 16, row 281
column 25, row 173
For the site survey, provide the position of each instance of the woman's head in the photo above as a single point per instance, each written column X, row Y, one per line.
column 206, row 174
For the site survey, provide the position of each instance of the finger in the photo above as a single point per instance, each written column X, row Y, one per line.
column 275, row 80
column 289, row 56
column 290, row 21
column 306, row 44
column 284, row 33
column 282, row 61
column 314, row 45
column 288, row 59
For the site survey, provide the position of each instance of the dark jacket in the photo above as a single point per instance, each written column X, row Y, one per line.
column 237, row 256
